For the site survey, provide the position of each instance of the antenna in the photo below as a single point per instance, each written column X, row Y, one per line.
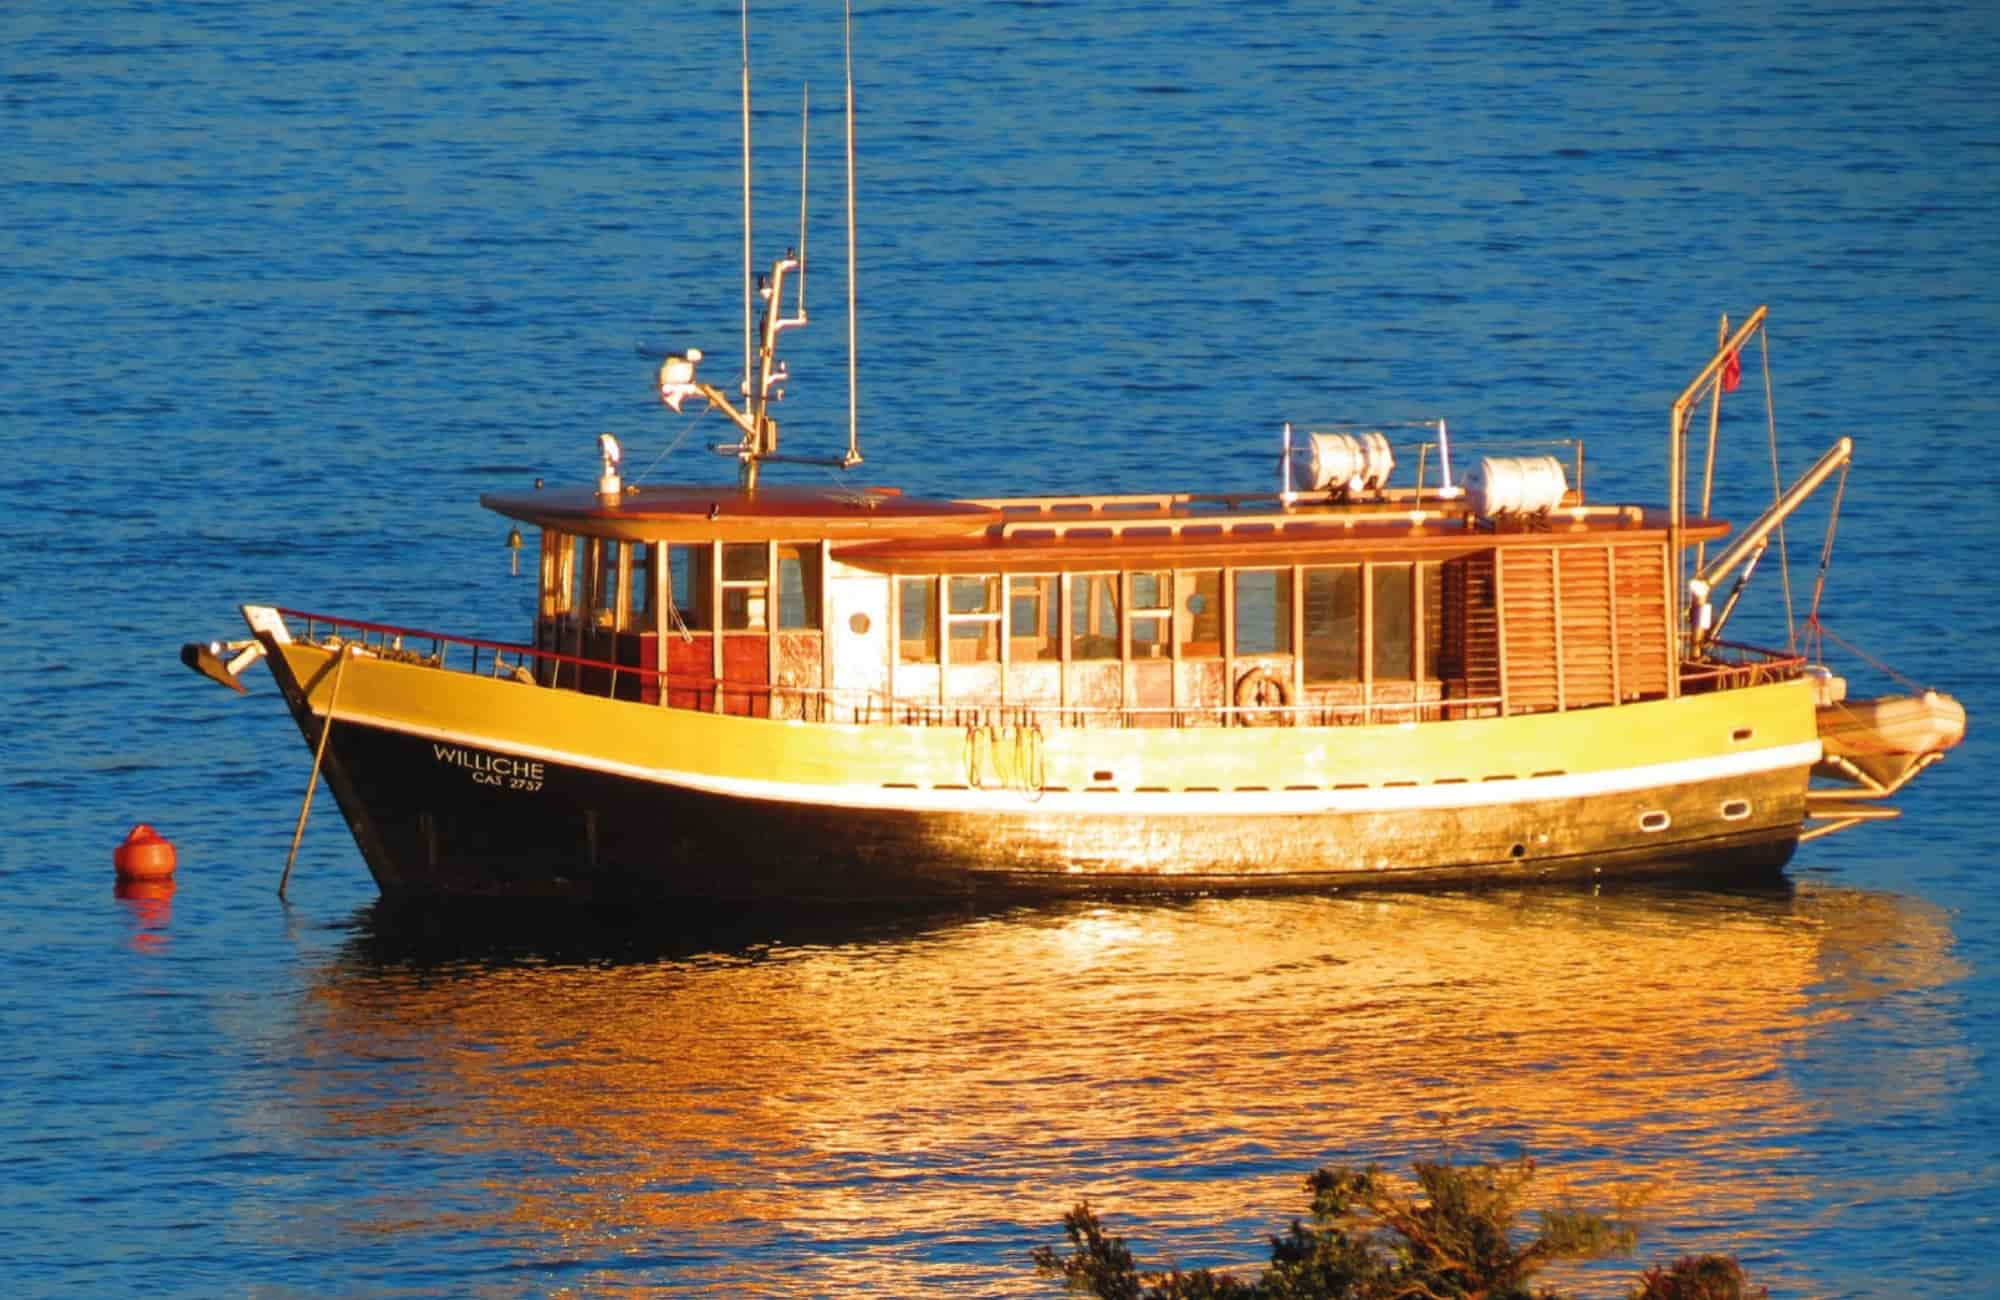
column 805, row 134
column 853, row 348
column 749, row 375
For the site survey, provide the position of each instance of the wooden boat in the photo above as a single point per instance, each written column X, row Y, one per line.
column 755, row 689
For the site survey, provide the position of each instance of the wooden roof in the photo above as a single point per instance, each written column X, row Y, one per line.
column 694, row 512
column 880, row 529
column 1208, row 543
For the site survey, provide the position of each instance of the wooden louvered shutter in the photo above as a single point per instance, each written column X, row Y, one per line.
column 1469, row 640
column 1585, row 615
column 1638, row 577
column 1529, row 650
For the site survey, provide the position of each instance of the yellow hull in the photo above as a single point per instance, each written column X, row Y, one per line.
column 439, row 769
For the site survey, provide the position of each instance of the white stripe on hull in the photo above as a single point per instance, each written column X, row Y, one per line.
column 1150, row 803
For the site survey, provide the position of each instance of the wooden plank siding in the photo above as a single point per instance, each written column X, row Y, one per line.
column 1580, row 626
column 1645, row 659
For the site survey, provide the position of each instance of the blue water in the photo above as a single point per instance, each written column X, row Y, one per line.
column 286, row 286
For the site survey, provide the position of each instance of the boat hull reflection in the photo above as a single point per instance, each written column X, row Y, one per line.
column 806, row 1102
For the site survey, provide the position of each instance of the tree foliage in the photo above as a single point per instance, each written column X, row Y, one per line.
column 1455, row 1235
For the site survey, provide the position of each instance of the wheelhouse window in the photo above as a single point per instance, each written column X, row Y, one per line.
column 558, row 574
column 917, row 632
column 1034, row 624
column 1093, row 616
column 1261, row 603
column 598, row 572
column 746, row 568
column 1333, row 623
column 689, row 570
column 973, row 614
column 641, row 607
column 798, row 586
column 1152, row 611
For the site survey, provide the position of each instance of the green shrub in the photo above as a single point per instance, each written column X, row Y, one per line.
column 1454, row 1236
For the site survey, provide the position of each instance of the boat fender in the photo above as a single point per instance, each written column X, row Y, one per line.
column 1260, row 693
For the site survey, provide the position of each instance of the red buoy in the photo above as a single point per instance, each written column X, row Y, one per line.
column 144, row 855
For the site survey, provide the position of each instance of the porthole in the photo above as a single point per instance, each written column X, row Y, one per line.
column 1518, row 851
column 859, row 625
column 1735, row 810
column 1654, row 821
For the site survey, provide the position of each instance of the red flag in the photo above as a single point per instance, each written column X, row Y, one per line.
column 1732, row 373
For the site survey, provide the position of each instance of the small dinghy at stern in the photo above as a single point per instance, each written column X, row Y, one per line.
column 1873, row 748
column 1881, row 743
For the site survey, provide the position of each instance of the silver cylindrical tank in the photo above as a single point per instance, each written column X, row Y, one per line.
column 1352, row 461
column 1515, row 485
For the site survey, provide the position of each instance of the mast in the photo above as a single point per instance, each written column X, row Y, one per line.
column 763, row 374
column 853, row 341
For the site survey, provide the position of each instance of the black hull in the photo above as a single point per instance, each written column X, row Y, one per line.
column 432, row 828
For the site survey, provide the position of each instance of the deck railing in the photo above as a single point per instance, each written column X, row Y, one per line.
column 512, row 661
column 1744, row 666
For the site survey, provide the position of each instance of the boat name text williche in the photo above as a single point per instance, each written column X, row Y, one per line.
column 493, row 769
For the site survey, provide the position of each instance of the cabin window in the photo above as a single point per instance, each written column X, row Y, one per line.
column 1093, row 616
column 1152, row 611
column 1333, row 623
column 1262, row 606
column 1392, row 622
column 688, row 569
column 1198, row 617
column 746, row 568
column 798, row 586
column 974, row 619
column 917, row 639
column 1034, row 627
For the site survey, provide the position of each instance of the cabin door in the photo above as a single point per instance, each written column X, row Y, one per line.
column 857, row 627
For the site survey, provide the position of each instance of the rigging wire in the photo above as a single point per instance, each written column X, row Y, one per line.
column 1814, row 628
column 1778, row 490
column 686, row 429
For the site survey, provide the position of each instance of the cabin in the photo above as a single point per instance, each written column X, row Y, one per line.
column 1174, row 610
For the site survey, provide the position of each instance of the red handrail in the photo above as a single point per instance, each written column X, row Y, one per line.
column 516, row 649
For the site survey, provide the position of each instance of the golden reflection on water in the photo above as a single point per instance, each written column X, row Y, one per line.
column 867, row 1106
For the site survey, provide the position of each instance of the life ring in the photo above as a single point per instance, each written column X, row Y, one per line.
column 1261, row 694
